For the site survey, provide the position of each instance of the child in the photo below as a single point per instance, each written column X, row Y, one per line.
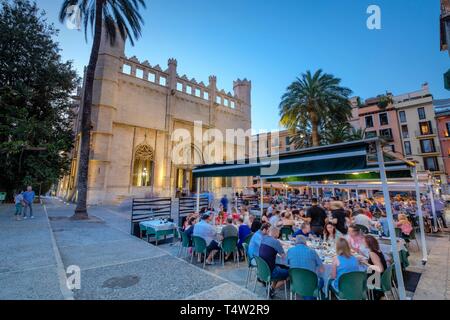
column 18, row 200
column 404, row 224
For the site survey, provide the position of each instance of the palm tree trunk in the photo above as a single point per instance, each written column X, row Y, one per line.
column 83, row 169
column 315, row 129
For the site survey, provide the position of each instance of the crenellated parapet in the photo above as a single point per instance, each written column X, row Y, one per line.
column 182, row 85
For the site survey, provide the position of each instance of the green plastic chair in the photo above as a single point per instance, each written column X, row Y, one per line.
column 199, row 247
column 404, row 259
column 385, row 283
column 251, row 264
column 352, row 286
column 304, row 283
column 184, row 243
column 229, row 245
column 248, row 238
column 285, row 232
column 264, row 274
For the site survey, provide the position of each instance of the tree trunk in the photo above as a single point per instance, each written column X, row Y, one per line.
column 83, row 169
column 315, row 129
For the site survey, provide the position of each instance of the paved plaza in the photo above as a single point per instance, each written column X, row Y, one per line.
column 35, row 254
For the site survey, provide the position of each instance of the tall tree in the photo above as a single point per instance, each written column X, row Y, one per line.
column 118, row 16
column 35, row 100
column 313, row 98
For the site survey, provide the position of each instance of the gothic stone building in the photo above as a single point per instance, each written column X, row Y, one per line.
column 136, row 108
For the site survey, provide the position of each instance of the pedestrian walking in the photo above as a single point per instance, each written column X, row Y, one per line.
column 28, row 198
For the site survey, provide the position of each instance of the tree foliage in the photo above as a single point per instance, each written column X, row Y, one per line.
column 313, row 102
column 36, row 110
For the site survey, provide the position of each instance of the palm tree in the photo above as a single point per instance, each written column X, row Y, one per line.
column 337, row 133
column 117, row 16
column 313, row 98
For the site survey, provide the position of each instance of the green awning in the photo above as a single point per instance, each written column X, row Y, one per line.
column 312, row 164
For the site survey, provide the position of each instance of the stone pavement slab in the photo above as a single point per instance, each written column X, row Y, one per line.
column 28, row 265
column 115, row 265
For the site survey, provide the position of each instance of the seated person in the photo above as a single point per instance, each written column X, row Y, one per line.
column 206, row 231
column 190, row 229
column 343, row 263
column 255, row 242
column 221, row 218
column 228, row 231
column 404, row 225
column 275, row 219
column 329, row 233
column 287, row 220
column 255, row 223
column 376, row 262
column 243, row 231
column 269, row 249
column 301, row 256
column 305, row 230
column 355, row 239
column 359, row 218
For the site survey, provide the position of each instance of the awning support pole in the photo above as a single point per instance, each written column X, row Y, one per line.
column 433, row 207
column 261, row 204
column 198, row 195
column 421, row 222
column 387, row 201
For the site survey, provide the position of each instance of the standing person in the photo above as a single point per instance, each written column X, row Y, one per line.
column 224, row 203
column 316, row 216
column 338, row 216
column 28, row 198
column 439, row 205
column 18, row 200
column 210, row 199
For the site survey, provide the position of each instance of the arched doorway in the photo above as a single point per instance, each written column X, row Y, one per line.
column 185, row 184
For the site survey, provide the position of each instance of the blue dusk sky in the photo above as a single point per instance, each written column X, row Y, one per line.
column 271, row 42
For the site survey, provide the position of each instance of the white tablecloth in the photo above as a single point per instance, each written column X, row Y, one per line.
column 158, row 225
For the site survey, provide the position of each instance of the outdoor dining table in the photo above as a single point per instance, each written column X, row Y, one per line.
column 327, row 256
column 158, row 228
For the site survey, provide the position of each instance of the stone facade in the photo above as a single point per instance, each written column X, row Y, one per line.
column 136, row 108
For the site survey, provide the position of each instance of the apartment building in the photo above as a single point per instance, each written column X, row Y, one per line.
column 442, row 111
column 418, row 132
column 379, row 119
column 272, row 143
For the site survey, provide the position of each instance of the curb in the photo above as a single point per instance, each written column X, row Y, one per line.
column 61, row 271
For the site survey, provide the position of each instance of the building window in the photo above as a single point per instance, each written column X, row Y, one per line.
column 139, row 73
column 288, row 149
column 384, row 119
column 402, row 116
column 427, row 146
column 163, row 81
column 405, row 132
column 371, row 134
column 386, row 133
column 143, row 166
column 227, row 182
column 421, row 113
column 369, row 122
column 288, row 141
column 407, row 145
column 447, row 131
column 151, row 77
column 430, row 163
column 126, row 68
column 425, row 128
column 392, row 147
column 179, row 86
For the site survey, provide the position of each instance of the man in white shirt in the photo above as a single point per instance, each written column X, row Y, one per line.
column 206, row 231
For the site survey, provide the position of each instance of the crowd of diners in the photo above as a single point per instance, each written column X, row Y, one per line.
column 352, row 227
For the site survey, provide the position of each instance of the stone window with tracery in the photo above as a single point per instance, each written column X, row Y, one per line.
column 143, row 166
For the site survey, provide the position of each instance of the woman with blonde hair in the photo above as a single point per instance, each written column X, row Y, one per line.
column 343, row 263
column 404, row 225
column 287, row 220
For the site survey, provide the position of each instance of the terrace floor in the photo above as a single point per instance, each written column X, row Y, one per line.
column 35, row 254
